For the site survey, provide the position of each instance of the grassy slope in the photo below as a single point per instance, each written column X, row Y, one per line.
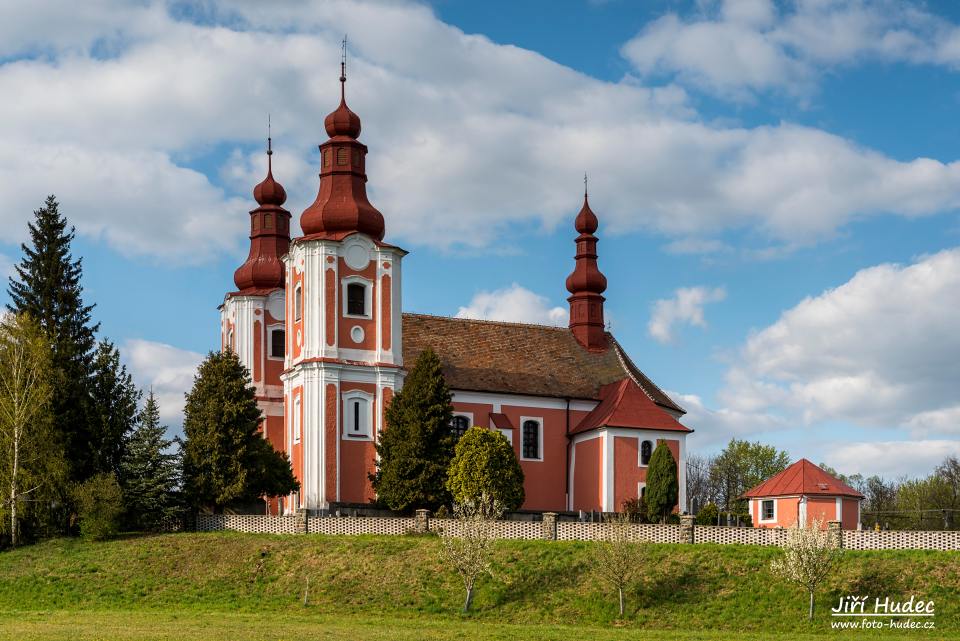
column 359, row 581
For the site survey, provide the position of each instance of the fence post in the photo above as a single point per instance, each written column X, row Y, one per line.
column 549, row 526
column 686, row 528
column 836, row 534
column 302, row 521
column 421, row 522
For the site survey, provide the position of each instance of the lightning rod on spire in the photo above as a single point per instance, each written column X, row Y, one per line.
column 584, row 184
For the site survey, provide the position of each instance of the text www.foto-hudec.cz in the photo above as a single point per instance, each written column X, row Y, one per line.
column 864, row 612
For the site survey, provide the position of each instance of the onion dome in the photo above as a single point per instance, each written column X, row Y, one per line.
column 586, row 276
column 342, row 121
column 586, row 284
column 341, row 207
column 263, row 270
column 269, row 191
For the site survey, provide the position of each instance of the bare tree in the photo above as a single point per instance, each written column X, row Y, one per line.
column 25, row 393
column 468, row 541
column 699, row 487
column 810, row 554
column 618, row 554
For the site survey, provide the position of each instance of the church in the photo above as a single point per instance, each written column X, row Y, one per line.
column 319, row 322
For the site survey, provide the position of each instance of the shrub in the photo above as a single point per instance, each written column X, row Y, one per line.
column 635, row 509
column 662, row 485
column 99, row 503
column 484, row 465
column 708, row 514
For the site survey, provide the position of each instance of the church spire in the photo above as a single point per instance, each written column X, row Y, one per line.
column 342, row 207
column 269, row 235
column 586, row 284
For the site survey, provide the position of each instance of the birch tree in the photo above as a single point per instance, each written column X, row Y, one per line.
column 618, row 555
column 468, row 542
column 809, row 556
column 30, row 460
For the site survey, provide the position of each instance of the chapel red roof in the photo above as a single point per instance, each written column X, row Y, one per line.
column 624, row 404
column 803, row 477
column 520, row 358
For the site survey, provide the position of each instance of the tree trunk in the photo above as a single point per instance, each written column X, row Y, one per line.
column 13, row 489
column 621, row 602
column 468, row 601
column 810, row 614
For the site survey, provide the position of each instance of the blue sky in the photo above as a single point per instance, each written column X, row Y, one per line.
column 776, row 183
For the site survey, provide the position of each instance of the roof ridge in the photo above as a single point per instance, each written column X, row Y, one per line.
column 488, row 321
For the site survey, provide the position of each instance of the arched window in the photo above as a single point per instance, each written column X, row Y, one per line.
column 326, row 157
column 297, row 303
column 531, row 440
column 646, row 450
column 356, row 415
column 341, row 155
column 356, row 299
column 268, row 221
column 459, row 426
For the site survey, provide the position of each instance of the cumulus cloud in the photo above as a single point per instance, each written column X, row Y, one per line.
column 738, row 47
column 167, row 369
column 684, row 308
column 879, row 350
column 715, row 426
column 891, row 459
column 145, row 121
column 516, row 304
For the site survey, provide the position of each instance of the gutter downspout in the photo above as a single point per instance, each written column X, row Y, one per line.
column 566, row 468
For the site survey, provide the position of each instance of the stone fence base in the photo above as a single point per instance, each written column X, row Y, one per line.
column 551, row 529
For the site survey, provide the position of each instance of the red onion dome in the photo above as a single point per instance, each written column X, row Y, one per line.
column 342, row 122
column 269, row 192
column 586, row 221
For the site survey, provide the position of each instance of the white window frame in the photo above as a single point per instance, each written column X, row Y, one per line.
column 278, row 327
column 367, row 296
column 539, row 421
column 366, row 429
column 296, row 419
column 640, row 487
column 653, row 446
column 770, row 520
column 298, row 303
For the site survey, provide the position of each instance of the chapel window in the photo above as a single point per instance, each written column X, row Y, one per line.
column 646, row 451
column 531, row 440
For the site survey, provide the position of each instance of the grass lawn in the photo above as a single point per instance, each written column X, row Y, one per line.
column 243, row 586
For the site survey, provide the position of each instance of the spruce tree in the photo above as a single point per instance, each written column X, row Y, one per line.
column 662, row 485
column 113, row 413
column 149, row 471
column 47, row 287
column 225, row 457
column 417, row 446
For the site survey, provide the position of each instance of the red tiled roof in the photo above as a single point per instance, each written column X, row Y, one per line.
column 625, row 405
column 518, row 358
column 803, row 477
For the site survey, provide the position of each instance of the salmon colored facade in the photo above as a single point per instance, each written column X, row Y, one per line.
column 317, row 319
column 803, row 494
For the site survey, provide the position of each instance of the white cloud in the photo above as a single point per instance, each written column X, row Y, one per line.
column 944, row 421
column 685, row 308
column 516, row 304
column 168, row 369
column 891, row 459
column 738, row 47
column 880, row 350
column 115, row 134
column 715, row 427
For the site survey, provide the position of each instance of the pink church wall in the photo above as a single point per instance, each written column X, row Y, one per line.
column 627, row 473
column 357, row 457
column 821, row 509
column 587, row 484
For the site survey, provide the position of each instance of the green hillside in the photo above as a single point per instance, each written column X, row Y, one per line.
column 172, row 583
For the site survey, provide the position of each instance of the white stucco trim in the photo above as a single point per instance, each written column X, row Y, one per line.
column 776, row 511
column 497, row 400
